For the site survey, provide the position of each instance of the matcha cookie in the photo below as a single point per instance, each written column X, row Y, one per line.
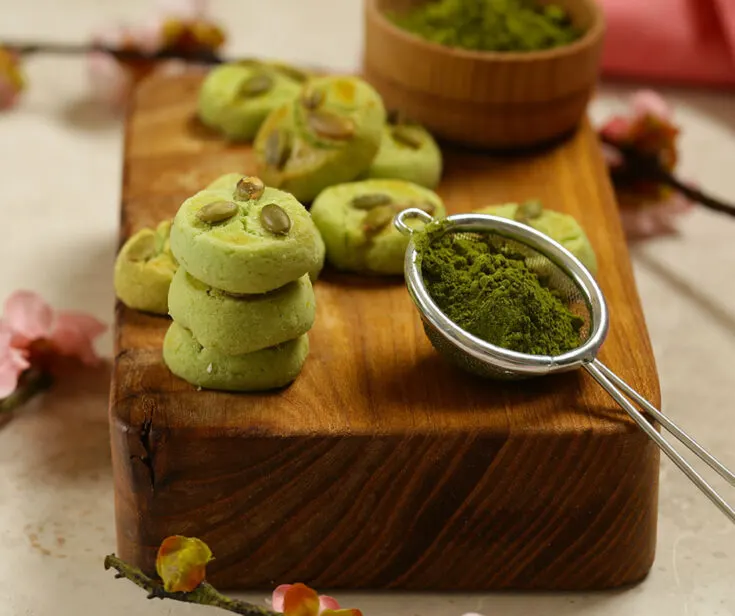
column 240, row 237
column 328, row 135
column 356, row 222
column 561, row 228
column 269, row 368
column 235, row 98
column 316, row 271
column 235, row 325
column 144, row 269
column 407, row 152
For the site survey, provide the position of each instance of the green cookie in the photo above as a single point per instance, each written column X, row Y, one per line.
column 144, row 269
column 244, row 245
column 356, row 222
column 235, row 98
column 316, row 271
column 269, row 368
column 562, row 228
column 329, row 135
column 407, row 152
column 235, row 325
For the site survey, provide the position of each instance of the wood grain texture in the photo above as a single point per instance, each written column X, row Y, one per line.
column 499, row 100
column 382, row 466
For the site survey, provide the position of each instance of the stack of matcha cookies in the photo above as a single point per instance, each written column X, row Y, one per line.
column 241, row 301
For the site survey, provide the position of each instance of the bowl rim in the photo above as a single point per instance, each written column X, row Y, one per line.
column 592, row 36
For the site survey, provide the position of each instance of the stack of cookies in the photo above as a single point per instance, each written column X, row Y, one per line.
column 241, row 301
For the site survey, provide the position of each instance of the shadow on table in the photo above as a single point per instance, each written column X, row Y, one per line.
column 65, row 430
column 90, row 115
column 719, row 313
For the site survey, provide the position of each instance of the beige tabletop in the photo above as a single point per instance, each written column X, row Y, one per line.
column 59, row 195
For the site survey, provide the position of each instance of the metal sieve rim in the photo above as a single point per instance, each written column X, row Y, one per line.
column 484, row 351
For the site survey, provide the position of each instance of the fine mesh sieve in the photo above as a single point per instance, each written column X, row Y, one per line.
column 578, row 290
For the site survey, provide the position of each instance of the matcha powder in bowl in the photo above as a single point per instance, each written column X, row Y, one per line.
column 490, row 25
column 504, row 301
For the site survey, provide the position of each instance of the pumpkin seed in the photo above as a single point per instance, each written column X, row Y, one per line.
column 291, row 71
column 142, row 248
column 370, row 200
column 274, row 218
column 406, row 136
column 331, row 125
column 396, row 117
column 377, row 219
column 217, row 211
column 249, row 62
column 312, row 99
column 256, row 85
column 277, row 149
column 528, row 211
column 249, row 188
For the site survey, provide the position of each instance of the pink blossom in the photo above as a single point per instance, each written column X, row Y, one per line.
column 30, row 329
column 650, row 103
column 177, row 25
column 647, row 207
column 111, row 82
column 325, row 602
column 616, row 129
column 12, row 362
column 74, row 334
column 28, row 317
column 645, row 105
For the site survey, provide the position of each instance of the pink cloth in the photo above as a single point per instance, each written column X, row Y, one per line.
column 684, row 41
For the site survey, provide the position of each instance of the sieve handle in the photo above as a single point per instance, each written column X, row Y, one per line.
column 619, row 389
column 399, row 222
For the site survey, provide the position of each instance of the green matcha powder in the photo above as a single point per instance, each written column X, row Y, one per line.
column 490, row 292
column 491, row 25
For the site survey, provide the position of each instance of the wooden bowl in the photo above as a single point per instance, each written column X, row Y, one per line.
column 485, row 99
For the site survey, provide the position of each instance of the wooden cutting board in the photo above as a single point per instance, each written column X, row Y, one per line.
column 382, row 466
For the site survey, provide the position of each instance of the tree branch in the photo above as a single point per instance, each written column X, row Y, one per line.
column 641, row 167
column 76, row 49
column 32, row 382
column 204, row 594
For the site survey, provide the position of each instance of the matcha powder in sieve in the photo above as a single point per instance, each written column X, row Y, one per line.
column 490, row 25
column 490, row 292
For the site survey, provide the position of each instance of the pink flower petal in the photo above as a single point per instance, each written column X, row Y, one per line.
column 648, row 102
column 74, row 334
column 616, row 129
column 278, row 594
column 12, row 362
column 109, row 79
column 28, row 315
column 327, row 603
column 612, row 156
column 148, row 36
